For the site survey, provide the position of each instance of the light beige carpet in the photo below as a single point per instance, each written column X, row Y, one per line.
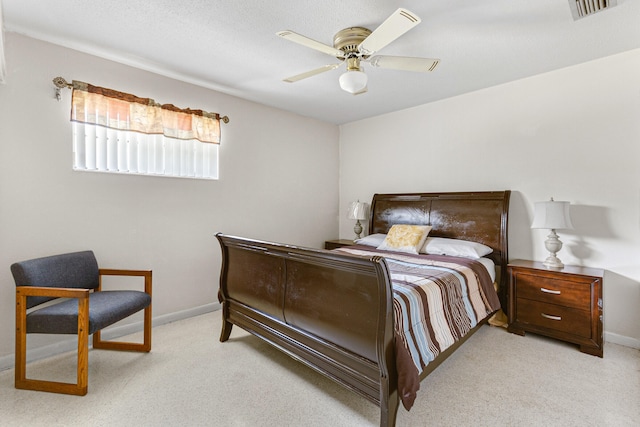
column 191, row 379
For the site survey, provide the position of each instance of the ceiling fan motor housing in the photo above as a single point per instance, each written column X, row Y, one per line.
column 349, row 39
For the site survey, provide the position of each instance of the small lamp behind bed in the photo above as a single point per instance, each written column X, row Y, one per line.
column 358, row 211
column 553, row 216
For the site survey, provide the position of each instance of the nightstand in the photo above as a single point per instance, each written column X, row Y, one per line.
column 565, row 304
column 338, row 243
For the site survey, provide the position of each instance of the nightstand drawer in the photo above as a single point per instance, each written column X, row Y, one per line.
column 554, row 317
column 560, row 291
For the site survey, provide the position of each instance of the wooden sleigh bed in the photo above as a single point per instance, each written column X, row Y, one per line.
column 334, row 311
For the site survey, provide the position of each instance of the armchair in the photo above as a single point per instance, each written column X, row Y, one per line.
column 84, row 309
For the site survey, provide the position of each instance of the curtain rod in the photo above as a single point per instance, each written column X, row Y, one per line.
column 61, row 83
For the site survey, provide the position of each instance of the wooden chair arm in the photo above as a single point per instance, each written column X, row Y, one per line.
column 121, row 272
column 147, row 274
column 42, row 291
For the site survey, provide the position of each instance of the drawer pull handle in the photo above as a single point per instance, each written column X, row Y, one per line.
column 550, row 291
column 548, row 316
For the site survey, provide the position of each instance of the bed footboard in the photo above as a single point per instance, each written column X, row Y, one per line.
column 333, row 312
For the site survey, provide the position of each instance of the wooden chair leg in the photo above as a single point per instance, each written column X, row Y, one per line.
column 83, row 346
column 21, row 380
column 144, row 346
column 21, row 339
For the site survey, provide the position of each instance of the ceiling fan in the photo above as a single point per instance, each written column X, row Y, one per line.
column 356, row 45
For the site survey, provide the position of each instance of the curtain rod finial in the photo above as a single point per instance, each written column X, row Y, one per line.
column 225, row 119
column 60, row 83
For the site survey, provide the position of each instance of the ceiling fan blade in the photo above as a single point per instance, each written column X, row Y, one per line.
column 311, row 73
column 405, row 63
column 393, row 27
column 313, row 44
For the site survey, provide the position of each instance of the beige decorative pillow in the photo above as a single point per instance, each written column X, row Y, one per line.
column 405, row 238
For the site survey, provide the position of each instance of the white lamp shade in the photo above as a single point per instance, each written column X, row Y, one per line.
column 357, row 210
column 552, row 215
column 353, row 81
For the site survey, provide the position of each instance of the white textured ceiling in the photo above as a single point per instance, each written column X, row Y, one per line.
column 231, row 46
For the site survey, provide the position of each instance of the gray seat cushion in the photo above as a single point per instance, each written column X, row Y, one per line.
column 105, row 308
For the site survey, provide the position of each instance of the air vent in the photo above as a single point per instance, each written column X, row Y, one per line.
column 583, row 8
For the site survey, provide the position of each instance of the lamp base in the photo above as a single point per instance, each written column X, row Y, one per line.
column 553, row 245
column 554, row 262
column 357, row 229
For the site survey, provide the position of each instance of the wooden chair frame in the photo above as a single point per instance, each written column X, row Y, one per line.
column 82, row 295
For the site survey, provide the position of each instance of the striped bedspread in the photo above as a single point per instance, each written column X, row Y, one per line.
column 437, row 301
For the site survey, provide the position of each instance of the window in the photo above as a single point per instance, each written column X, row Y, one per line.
column 122, row 133
column 100, row 149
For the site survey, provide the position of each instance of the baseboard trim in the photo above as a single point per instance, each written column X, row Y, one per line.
column 622, row 340
column 8, row 362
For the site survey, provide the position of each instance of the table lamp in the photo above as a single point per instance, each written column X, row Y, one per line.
column 357, row 211
column 553, row 216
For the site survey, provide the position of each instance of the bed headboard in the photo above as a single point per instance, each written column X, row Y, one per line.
column 476, row 216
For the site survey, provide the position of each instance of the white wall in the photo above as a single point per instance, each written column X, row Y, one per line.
column 573, row 134
column 275, row 169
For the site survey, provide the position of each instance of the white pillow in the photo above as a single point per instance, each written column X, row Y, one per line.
column 371, row 240
column 455, row 247
column 405, row 238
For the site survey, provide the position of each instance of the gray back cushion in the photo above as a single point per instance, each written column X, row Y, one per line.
column 73, row 270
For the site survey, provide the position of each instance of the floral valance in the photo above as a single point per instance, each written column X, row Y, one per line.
column 123, row 111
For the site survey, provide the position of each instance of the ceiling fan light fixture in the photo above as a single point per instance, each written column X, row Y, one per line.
column 353, row 81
